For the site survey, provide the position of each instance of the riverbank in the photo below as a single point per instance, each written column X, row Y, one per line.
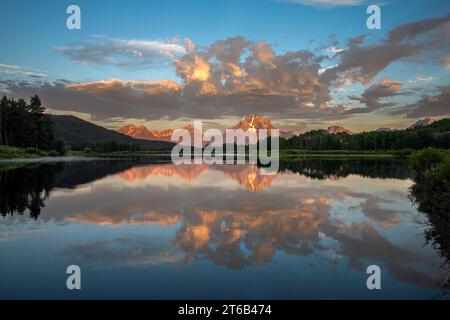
column 47, row 159
column 8, row 154
column 293, row 154
column 13, row 154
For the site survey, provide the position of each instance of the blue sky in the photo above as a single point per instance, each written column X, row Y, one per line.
column 32, row 33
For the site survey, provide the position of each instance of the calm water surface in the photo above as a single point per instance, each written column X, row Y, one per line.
column 159, row 231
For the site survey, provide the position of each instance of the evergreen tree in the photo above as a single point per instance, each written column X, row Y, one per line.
column 25, row 125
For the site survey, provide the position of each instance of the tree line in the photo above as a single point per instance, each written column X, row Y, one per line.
column 24, row 124
column 436, row 135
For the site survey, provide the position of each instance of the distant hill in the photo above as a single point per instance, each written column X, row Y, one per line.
column 79, row 132
column 436, row 134
column 338, row 129
column 385, row 129
column 442, row 125
column 142, row 132
column 422, row 123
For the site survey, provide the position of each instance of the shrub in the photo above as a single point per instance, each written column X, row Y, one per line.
column 402, row 152
column 7, row 152
column 53, row 153
column 60, row 146
column 443, row 171
column 426, row 159
column 32, row 150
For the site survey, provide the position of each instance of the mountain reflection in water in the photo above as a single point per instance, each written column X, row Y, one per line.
column 344, row 213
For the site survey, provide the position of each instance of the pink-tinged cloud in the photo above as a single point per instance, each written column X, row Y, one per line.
column 385, row 88
column 236, row 77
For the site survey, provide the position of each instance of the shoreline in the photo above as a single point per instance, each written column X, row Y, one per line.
column 125, row 155
column 47, row 159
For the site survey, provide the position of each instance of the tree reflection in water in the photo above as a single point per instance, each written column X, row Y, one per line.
column 25, row 188
column 218, row 229
column 433, row 203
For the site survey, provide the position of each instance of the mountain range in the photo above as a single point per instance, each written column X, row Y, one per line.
column 250, row 123
column 418, row 124
column 142, row 132
column 76, row 132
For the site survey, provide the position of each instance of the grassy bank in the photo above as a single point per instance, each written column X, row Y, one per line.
column 7, row 152
column 292, row 154
column 120, row 154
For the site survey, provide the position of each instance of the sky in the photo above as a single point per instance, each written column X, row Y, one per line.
column 304, row 64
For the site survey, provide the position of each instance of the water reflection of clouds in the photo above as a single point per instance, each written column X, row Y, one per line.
column 235, row 217
column 237, row 228
column 131, row 249
column 13, row 229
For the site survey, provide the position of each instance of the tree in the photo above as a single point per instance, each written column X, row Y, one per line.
column 60, row 146
column 25, row 125
column 3, row 103
column 36, row 106
column 436, row 135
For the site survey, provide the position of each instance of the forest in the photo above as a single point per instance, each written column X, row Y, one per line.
column 436, row 135
column 25, row 124
column 27, row 130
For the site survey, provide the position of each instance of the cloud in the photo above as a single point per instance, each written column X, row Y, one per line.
column 373, row 209
column 438, row 105
column 16, row 72
column 363, row 63
column 23, row 73
column 120, row 52
column 444, row 62
column 215, row 82
column 371, row 96
column 412, row 30
column 9, row 66
column 328, row 3
column 421, row 79
column 236, row 76
column 158, row 100
column 356, row 40
column 333, row 50
column 229, row 50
